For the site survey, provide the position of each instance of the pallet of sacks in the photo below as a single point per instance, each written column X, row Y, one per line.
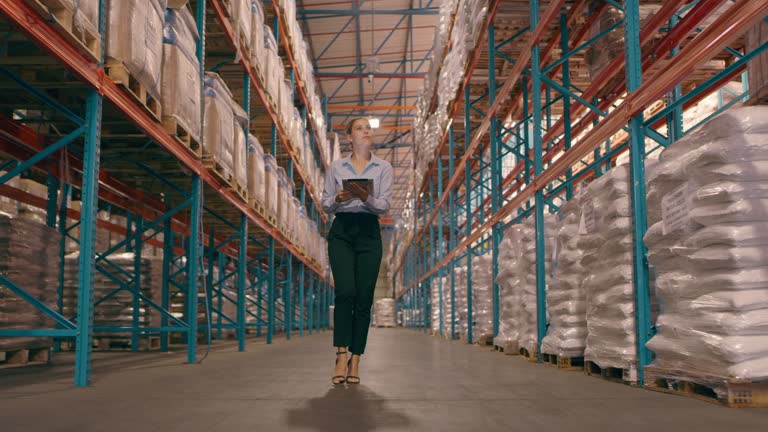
column 708, row 243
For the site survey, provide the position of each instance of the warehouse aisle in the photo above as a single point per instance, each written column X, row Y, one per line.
column 410, row 382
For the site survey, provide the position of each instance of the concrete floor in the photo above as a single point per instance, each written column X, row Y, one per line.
column 410, row 382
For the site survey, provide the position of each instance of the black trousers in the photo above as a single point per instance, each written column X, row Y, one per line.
column 354, row 252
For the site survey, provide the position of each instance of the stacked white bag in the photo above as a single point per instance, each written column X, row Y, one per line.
column 510, row 280
column 566, row 296
column 460, row 301
column 527, row 314
column 708, row 239
column 607, row 244
column 384, row 312
column 482, row 298
column 434, row 303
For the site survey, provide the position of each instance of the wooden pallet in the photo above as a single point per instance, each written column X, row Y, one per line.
column 485, row 340
column 531, row 356
column 618, row 375
column 563, row 362
column 259, row 207
column 239, row 190
column 24, row 357
column 172, row 126
column 213, row 166
column 729, row 393
column 508, row 348
column 120, row 75
column 85, row 38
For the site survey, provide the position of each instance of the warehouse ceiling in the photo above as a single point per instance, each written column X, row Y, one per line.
column 367, row 57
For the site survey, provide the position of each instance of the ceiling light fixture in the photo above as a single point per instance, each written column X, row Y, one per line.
column 374, row 122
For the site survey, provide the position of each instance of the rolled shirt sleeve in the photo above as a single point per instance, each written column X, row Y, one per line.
column 382, row 203
column 329, row 191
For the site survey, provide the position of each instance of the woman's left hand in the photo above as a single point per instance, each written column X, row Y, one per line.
column 359, row 191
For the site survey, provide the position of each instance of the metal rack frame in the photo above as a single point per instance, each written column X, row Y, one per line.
column 554, row 155
column 202, row 221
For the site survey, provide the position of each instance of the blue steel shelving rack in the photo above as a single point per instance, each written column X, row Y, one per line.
column 191, row 201
column 490, row 201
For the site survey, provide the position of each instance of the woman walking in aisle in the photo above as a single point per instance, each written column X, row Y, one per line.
column 354, row 243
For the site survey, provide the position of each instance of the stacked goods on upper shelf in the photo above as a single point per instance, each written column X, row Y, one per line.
column 28, row 257
column 566, row 295
column 256, row 175
column 758, row 68
column 135, row 47
column 459, row 24
column 219, row 127
column 240, row 150
column 180, row 73
column 708, row 242
column 305, row 71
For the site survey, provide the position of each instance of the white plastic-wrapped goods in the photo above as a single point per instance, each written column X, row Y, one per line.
column 219, row 122
column 384, row 311
column 482, row 299
column 135, row 39
column 256, row 175
column 566, row 295
column 712, row 226
column 240, row 145
column 181, row 71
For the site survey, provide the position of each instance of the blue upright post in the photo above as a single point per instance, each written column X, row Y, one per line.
column 221, row 264
column 637, row 158
column 136, row 286
column 288, row 315
column 440, row 243
column 468, row 202
column 566, row 100
column 242, row 263
column 495, row 178
column 86, row 262
column 452, row 233
column 166, row 300
column 311, row 304
column 260, row 297
column 301, row 299
column 51, row 209
column 541, row 305
column 271, row 292
column 193, row 262
column 65, row 195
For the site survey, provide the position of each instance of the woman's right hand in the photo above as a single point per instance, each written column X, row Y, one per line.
column 344, row 195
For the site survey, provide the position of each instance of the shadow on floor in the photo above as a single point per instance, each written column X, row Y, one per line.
column 350, row 407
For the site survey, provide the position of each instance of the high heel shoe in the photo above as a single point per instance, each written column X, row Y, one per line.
column 342, row 378
column 355, row 379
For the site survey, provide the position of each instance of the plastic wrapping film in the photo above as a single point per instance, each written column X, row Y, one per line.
column 181, row 71
column 510, row 285
column 135, row 39
column 9, row 207
column 219, row 122
column 270, row 184
column 256, row 174
column 257, row 34
column 270, row 65
column 384, row 312
column 282, row 196
column 527, row 310
column 241, row 20
column 600, row 54
column 607, row 245
column 29, row 257
column 566, row 296
column 240, row 145
column 482, row 299
column 85, row 14
column 709, row 247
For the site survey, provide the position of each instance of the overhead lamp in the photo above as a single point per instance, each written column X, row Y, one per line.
column 374, row 122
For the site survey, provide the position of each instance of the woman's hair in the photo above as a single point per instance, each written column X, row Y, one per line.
column 349, row 126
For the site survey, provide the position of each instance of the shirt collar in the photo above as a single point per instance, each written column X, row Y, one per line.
column 375, row 160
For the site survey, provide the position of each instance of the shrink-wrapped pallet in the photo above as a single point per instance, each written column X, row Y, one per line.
column 566, row 295
column 757, row 68
column 256, row 175
column 219, row 122
column 181, row 71
column 482, row 299
column 29, row 258
column 135, row 39
column 709, row 247
column 270, row 185
column 385, row 312
column 257, row 35
column 527, row 311
column 241, row 20
column 240, row 145
column 9, row 207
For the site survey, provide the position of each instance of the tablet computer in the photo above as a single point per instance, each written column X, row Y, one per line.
column 364, row 182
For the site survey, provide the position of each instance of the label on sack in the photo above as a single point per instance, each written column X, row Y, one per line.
column 675, row 209
column 587, row 223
